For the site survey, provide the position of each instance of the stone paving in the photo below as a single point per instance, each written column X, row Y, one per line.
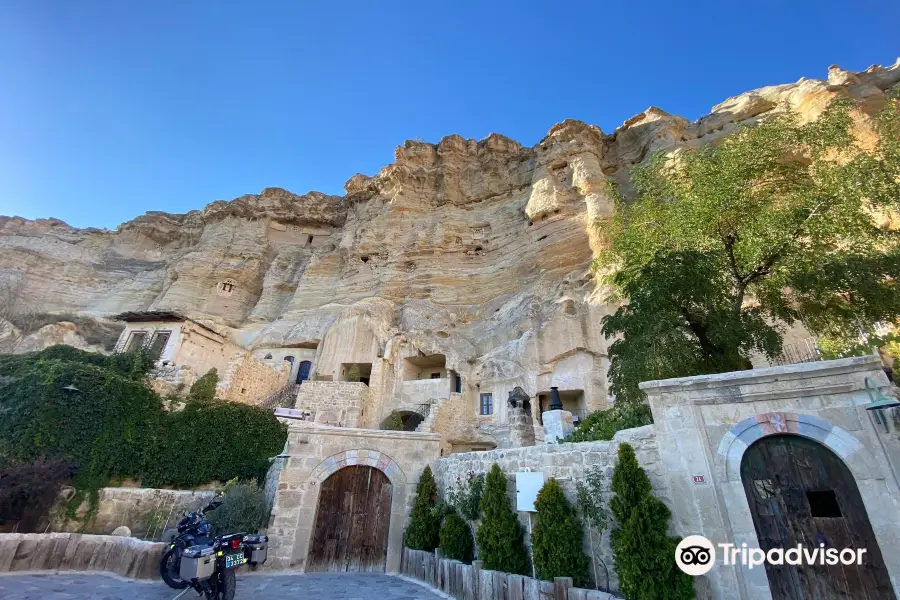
column 313, row 586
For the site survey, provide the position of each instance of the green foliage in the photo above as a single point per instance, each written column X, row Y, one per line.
column 500, row 538
column 116, row 426
column 423, row 532
column 643, row 553
column 203, row 390
column 394, row 422
column 353, row 373
column 771, row 225
column 589, row 492
column 557, row 536
column 465, row 496
column 214, row 442
column 456, row 539
column 28, row 490
column 603, row 424
column 832, row 348
column 244, row 509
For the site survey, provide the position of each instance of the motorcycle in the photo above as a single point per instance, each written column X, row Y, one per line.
column 194, row 529
column 209, row 568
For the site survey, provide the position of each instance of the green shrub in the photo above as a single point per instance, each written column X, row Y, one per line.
column 244, row 509
column 114, row 426
column 603, row 424
column 501, row 540
column 465, row 496
column 203, row 390
column 423, row 532
column 643, row 553
column 29, row 490
column 456, row 539
column 557, row 537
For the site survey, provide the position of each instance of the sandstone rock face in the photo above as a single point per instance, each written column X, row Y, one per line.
column 475, row 251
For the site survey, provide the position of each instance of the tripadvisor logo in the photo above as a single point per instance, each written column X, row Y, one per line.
column 696, row 555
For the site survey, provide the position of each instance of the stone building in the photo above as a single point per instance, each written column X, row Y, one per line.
column 185, row 349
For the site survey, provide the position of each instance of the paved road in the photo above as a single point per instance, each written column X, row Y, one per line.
column 314, row 586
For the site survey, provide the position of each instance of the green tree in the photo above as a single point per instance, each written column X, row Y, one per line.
column 603, row 424
column 423, row 532
column 244, row 508
column 643, row 553
column 500, row 538
column 456, row 539
column 204, row 389
column 557, row 537
column 772, row 225
column 589, row 492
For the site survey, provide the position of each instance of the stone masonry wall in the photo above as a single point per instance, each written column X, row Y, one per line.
column 315, row 453
column 147, row 512
column 334, row 402
column 567, row 463
column 250, row 381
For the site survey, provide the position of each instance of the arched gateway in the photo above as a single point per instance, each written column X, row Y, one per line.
column 352, row 521
column 801, row 493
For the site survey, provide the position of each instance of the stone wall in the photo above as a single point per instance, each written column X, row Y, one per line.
column 123, row 556
column 146, row 512
column 250, row 381
column 334, row 402
column 316, row 452
column 705, row 424
column 567, row 463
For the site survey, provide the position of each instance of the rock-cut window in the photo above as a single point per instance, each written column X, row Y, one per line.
column 226, row 288
column 487, row 404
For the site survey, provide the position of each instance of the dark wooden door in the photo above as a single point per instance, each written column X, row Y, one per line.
column 352, row 521
column 303, row 371
column 802, row 493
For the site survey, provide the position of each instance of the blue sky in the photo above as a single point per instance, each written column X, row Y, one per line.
column 112, row 108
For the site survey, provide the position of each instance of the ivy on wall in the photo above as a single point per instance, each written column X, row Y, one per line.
column 100, row 413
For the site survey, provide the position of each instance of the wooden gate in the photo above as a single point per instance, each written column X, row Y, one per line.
column 352, row 521
column 801, row 493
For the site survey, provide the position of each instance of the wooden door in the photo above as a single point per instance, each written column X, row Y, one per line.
column 303, row 371
column 352, row 522
column 802, row 493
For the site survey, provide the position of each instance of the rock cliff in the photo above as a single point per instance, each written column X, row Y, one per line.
column 478, row 250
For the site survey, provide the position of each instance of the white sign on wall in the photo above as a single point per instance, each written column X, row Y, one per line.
column 527, row 487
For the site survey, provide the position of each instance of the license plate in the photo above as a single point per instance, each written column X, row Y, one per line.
column 234, row 560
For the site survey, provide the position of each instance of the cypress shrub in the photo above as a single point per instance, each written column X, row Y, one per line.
column 423, row 532
column 643, row 553
column 557, row 537
column 456, row 539
column 501, row 540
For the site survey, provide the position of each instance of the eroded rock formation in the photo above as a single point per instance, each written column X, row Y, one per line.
column 478, row 251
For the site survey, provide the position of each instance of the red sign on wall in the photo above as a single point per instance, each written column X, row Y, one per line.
column 699, row 479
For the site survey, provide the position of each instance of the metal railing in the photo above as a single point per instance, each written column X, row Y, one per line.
column 283, row 398
column 801, row 352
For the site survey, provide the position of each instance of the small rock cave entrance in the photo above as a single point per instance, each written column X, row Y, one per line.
column 402, row 420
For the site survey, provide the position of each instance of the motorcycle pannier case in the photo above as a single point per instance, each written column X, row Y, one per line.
column 259, row 548
column 198, row 562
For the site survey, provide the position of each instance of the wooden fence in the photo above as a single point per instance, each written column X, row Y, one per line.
column 471, row 582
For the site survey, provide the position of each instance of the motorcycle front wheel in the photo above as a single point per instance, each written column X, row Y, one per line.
column 169, row 567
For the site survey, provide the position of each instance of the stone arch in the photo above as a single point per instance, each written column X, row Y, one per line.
column 737, row 439
column 371, row 458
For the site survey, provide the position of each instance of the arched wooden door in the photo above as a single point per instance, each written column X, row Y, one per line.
column 352, row 521
column 801, row 493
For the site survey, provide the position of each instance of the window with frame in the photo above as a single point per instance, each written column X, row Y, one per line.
column 487, row 404
column 435, row 375
column 158, row 344
column 135, row 341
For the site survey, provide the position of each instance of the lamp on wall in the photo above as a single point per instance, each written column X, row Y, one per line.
column 878, row 401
